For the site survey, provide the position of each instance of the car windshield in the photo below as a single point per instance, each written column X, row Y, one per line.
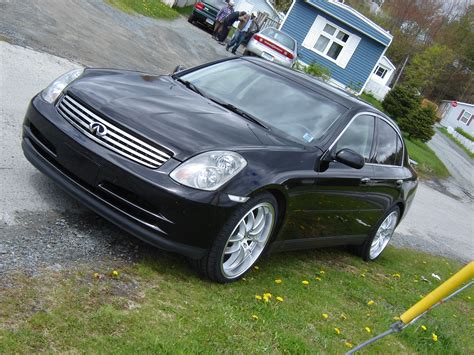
column 275, row 101
column 280, row 37
column 216, row 3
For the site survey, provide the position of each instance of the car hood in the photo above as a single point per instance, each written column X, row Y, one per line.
column 164, row 112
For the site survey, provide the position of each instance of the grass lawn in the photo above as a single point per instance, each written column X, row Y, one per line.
column 444, row 131
column 160, row 306
column 372, row 100
column 150, row 8
column 429, row 164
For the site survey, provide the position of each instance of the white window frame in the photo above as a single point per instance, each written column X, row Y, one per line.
column 464, row 116
column 385, row 71
column 317, row 30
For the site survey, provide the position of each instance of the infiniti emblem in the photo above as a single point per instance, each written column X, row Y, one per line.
column 98, row 129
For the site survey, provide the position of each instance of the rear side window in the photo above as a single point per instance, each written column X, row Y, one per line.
column 358, row 136
column 389, row 148
column 399, row 157
column 280, row 37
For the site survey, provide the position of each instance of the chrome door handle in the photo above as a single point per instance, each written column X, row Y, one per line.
column 365, row 180
column 399, row 182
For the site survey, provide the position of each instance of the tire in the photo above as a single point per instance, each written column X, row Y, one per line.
column 247, row 53
column 228, row 267
column 370, row 251
column 191, row 18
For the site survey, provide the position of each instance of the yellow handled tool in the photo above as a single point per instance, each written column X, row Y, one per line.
column 436, row 297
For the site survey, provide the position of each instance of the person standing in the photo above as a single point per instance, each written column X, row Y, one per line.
column 244, row 27
column 229, row 21
column 221, row 15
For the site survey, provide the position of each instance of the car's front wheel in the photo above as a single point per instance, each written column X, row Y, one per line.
column 378, row 241
column 241, row 241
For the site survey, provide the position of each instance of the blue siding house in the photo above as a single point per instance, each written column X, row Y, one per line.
column 338, row 37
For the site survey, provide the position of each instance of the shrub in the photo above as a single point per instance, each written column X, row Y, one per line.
column 318, row 71
column 401, row 101
column 418, row 124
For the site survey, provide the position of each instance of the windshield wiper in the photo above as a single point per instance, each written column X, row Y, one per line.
column 242, row 113
column 190, row 86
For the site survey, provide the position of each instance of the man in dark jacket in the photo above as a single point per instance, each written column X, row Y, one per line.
column 228, row 21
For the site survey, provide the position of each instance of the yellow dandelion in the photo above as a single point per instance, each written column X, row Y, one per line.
column 115, row 273
column 423, row 327
column 254, row 317
column 348, row 345
column 279, row 299
column 305, row 282
column 322, row 272
column 368, row 330
column 415, row 280
column 362, row 275
column 266, row 298
column 424, row 262
column 268, row 295
column 396, row 276
column 337, row 330
column 317, row 278
column 343, row 317
column 258, row 297
column 96, row 275
column 278, row 281
column 469, row 297
column 325, row 315
column 256, row 267
column 396, row 318
column 368, row 314
column 434, row 337
column 370, row 303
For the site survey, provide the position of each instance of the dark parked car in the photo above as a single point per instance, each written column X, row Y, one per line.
column 224, row 161
column 205, row 12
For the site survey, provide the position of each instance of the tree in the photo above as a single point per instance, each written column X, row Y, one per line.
column 426, row 67
column 418, row 124
column 400, row 101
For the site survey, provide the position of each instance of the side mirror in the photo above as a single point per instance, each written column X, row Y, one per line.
column 350, row 158
column 179, row 68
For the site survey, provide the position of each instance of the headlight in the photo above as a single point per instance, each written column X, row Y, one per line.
column 210, row 170
column 52, row 92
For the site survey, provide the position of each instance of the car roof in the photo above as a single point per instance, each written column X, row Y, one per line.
column 338, row 95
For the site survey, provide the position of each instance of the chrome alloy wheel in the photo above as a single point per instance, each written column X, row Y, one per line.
column 248, row 240
column 383, row 235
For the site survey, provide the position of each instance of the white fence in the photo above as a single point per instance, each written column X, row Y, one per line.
column 464, row 141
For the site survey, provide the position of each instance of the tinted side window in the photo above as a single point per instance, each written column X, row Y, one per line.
column 399, row 156
column 387, row 144
column 358, row 136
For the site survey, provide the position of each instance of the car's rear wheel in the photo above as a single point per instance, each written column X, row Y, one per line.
column 241, row 241
column 378, row 241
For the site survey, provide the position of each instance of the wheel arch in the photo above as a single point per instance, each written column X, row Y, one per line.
column 282, row 199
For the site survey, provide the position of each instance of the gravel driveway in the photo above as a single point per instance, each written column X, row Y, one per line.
column 40, row 226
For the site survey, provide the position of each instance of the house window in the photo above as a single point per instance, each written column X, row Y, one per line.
column 381, row 72
column 466, row 116
column 331, row 42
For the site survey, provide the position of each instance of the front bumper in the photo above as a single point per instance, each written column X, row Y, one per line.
column 145, row 202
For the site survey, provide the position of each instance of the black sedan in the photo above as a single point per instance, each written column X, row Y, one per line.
column 224, row 161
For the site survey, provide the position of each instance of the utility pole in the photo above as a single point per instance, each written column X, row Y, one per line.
column 400, row 72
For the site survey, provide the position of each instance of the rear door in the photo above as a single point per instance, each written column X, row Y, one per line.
column 389, row 172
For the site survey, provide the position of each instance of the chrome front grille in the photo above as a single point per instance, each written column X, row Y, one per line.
column 111, row 137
